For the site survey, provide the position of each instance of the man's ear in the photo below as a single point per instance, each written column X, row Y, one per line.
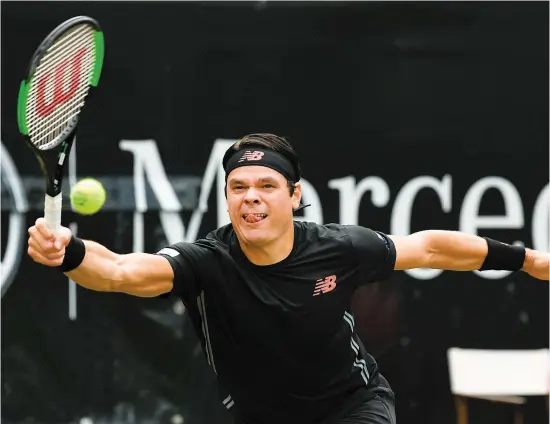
column 296, row 196
column 226, row 205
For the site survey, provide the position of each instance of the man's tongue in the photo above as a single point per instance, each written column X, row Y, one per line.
column 251, row 218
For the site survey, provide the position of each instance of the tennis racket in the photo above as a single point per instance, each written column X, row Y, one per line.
column 51, row 98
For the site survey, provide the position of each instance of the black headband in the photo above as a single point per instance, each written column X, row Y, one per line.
column 256, row 156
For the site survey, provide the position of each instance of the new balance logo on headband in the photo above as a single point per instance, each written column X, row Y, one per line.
column 251, row 155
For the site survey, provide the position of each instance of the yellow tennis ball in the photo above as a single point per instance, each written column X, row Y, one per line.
column 88, row 196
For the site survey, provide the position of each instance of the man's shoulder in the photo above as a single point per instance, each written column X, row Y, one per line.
column 337, row 234
column 313, row 230
column 313, row 234
column 220, row 237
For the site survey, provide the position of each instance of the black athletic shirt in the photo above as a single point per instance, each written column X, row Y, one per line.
column 281, row 338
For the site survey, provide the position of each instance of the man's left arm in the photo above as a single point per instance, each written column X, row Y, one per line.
column 457, row 251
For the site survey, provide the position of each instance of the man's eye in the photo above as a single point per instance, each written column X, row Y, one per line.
column 238, row 187
column 268, row 186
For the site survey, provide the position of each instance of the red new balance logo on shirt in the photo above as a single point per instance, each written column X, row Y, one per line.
column 324, row 285
column 251, row 155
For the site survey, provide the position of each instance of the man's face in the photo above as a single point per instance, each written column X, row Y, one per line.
column 259, row 204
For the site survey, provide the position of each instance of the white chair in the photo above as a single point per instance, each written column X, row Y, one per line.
column 497, row 375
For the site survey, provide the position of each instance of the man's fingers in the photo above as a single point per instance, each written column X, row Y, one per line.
column 47, row 251
column 539, row 265
column 38, row 238
column 63, row 237
column 45, row 246
column 38, row 257
column 43, row 228
column 41, row 243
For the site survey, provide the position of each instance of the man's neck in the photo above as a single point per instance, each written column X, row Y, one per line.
column 271, row 253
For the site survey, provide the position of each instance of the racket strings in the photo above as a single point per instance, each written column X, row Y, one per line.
column 55, row 59
column 52, row 128
column 45, row 131
column 74, row 35
column 53, row 125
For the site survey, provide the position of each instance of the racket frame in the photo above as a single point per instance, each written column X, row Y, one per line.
column 53, row 160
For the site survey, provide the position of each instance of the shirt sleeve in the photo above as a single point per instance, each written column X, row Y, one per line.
column 376, row 253
column 186, row 260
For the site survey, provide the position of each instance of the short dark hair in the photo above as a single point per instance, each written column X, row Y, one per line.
column 272, row 142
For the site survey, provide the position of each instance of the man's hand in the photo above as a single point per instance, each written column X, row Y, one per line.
column 537, row 264
column 45, row 246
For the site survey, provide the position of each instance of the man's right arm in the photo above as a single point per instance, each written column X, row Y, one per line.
column 138, row 274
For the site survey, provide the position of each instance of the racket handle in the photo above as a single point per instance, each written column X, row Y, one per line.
column 52, row 212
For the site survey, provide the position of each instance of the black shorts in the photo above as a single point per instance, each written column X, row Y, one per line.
column 365, row 406
column 378, row 410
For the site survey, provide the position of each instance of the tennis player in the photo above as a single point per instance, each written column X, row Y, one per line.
column 270, row 296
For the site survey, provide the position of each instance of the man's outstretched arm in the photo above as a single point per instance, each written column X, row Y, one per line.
column 456, row 251
column 95, row 267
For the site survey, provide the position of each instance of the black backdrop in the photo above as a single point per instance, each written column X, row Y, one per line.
column 394, row 90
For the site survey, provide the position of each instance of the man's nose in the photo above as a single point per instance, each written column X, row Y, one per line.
column 252, row 196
